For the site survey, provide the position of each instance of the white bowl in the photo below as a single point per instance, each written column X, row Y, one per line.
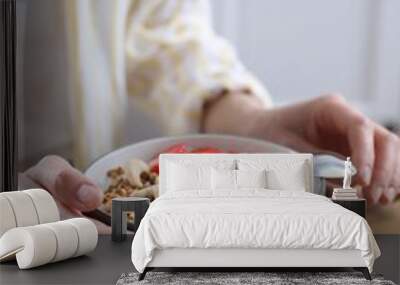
column 324, row 166
column 147, row 150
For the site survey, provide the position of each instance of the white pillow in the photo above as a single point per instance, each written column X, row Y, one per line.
column 251, row 178
column 282, row 174
column 296, row 182
column 234, row 179
column 181, row 177
column 223, row 179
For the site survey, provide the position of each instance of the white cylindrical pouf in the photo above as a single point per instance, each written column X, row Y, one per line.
column 87, row 235
column 67, row 239
column 34, row 246
column 40, row 244
column 23, row 208
column 45, row 205
column 7, row 217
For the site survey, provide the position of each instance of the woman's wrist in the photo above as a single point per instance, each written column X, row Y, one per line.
column 234, row 112
column 246, row 115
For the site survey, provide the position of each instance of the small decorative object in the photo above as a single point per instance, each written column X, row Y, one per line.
column 347, row 174
column 31, row 231
column 120, row 208
column 346, row 193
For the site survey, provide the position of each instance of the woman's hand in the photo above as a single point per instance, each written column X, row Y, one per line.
column 327, row 123
column 74, row 193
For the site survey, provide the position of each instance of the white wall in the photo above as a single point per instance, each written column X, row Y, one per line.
column 300, row 49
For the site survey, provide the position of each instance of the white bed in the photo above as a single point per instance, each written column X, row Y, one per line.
column 249, row 227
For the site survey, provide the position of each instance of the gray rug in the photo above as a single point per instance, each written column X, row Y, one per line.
column 225, row 278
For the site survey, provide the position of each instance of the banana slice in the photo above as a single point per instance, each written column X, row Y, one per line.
column 135, row 167
column 150, row 192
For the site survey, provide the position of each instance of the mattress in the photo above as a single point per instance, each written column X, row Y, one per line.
column 250, row 219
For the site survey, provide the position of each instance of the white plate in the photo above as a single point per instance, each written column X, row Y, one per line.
column 147, row 150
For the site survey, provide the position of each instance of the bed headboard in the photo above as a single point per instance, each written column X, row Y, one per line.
column 285, row 161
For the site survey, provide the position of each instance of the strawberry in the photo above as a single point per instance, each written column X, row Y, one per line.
column 207, row 150
column 154, row 166
column 176, row 148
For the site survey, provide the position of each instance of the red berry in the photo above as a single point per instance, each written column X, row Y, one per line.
column 207, row 150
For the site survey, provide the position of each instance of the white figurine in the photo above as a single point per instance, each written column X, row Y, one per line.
column 347, row 174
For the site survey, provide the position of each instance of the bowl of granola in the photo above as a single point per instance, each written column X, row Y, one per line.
column 132, row 171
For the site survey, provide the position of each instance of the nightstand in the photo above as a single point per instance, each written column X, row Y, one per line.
column 355, row 205
column 119, row 209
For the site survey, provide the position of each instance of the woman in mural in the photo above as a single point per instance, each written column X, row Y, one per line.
column 166, row 56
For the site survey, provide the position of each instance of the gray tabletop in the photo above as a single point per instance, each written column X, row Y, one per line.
column 111, row 259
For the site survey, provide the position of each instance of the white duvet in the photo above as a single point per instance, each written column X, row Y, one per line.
column 250, row 219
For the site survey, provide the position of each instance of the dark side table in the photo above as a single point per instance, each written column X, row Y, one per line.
column 357, row 206
column 120, row 208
